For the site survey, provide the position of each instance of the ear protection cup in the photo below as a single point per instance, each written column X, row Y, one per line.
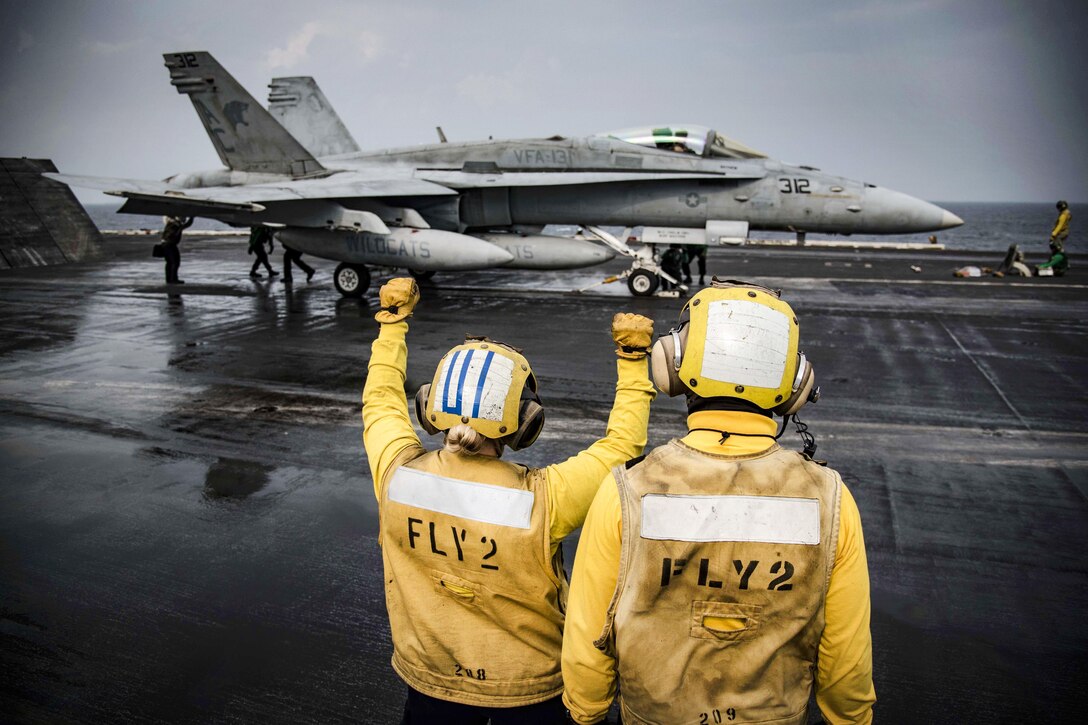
column 422, row 394
column 530, row 418
column 530, row 423
column 665, row 358
column 804, row 389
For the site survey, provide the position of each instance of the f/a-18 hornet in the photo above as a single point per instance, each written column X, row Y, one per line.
column 483, row 204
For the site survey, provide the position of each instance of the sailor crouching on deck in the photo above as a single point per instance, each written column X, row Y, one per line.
column 474, row 581
column 720, row 576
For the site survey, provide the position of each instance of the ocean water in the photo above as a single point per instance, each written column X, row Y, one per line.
column 987, row 226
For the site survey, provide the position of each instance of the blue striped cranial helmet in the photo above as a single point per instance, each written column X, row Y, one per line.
column 488, row 386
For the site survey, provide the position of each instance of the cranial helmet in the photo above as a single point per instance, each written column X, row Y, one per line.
column 1062, row 205
column 488, row 386
column 738, row 340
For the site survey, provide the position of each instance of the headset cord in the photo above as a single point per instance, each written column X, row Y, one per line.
column 807, row 438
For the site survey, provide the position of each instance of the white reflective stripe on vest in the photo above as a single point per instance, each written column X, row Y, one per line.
column 768, row 519
column 464, row 499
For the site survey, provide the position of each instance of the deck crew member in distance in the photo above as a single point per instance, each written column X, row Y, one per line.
column 474, row 580
column 173, row 227
column 1060, row 232
column 711, row 574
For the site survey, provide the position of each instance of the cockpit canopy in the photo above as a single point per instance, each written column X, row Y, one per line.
column 698, row 140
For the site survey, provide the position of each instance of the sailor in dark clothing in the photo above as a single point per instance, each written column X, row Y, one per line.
column 260, row 236
column 292, row 255
column 697, row 252
column 673, row 262
column 173, row 226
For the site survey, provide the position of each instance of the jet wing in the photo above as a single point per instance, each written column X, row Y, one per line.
column 342, row 185
column 470, row 180
column 188, row 202
column 157, row 197
column 105, row 183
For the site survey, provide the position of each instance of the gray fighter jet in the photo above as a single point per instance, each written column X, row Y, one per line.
column 483, row 204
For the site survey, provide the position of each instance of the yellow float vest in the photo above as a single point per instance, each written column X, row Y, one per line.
column 475, row 601
column 724, row 569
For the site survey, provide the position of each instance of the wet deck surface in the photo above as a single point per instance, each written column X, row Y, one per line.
column 188, row 527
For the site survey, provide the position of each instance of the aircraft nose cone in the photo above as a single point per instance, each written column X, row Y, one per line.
column 949, row 220
column 892, row 212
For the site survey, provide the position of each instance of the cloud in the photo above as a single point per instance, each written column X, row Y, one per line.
column 297, row 48
column 371, row 45
column 489, row 90
column 881, row 11
column 101, row 47
column 26, row 40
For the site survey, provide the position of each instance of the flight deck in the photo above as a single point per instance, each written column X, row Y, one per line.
column 188, row 530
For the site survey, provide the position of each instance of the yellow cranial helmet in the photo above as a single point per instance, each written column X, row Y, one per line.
column 739, row 341
column 488, row 386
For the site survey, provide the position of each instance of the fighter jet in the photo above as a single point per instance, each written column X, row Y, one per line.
column 483, row 204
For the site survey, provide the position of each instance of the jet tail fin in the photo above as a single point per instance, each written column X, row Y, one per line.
column 301, row 108
column 244, row 134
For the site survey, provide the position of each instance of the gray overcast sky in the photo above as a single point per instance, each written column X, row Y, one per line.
column 948, row 100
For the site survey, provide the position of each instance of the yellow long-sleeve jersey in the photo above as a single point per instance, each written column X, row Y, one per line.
column 571, row 485
column 1061, row 227
column 844, row 680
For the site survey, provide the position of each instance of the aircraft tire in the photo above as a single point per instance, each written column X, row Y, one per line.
column 351, row 280
column 422, row 275
column 642, row 283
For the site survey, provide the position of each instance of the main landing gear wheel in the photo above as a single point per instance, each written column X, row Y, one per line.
column 421, row 275
column 642, row 283
column 351, row 280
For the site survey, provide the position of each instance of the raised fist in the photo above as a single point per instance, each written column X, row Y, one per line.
column 398, row 298
column 632, row 334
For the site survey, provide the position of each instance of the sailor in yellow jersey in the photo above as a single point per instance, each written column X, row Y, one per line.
column 722, row 578
column 1060, row 232
column 474, row 580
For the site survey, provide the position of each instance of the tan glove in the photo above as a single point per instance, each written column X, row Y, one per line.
column 633, row 334
column 398, row 298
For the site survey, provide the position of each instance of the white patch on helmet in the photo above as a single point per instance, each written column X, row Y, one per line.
column 746, row 344
column 475, row 383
